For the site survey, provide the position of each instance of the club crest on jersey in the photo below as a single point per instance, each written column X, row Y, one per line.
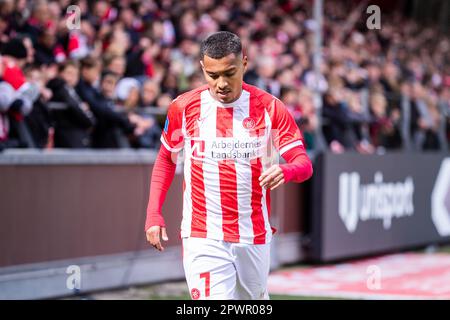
column 248, row 123
column 195, row 294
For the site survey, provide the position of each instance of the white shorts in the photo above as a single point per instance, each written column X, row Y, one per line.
column 222, row 270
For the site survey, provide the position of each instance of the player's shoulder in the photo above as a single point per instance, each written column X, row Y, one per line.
column 268, row 100
column 188, row 98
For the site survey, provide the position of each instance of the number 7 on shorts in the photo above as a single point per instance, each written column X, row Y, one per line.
column 207, row 276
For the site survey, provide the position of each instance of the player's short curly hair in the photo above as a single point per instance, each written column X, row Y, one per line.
column 220, row 44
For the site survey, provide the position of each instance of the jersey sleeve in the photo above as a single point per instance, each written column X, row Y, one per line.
column 172, row 136
column 285, row 132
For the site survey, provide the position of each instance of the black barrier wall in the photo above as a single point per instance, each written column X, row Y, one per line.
column 373, row 204
column 66, row 210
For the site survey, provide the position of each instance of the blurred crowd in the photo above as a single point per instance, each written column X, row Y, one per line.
column 105, row 80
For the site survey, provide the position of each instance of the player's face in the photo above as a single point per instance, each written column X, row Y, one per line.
column 225, row 76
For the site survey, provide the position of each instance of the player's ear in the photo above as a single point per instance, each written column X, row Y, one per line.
column 245, row 63
column 203, row 66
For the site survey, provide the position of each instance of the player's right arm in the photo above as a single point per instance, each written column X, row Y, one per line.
column 162, row 175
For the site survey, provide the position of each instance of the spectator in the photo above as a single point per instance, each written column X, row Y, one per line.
column 73, row 119
column 127, row 94
column 445, row 105
column 14, row 59
column 265, row 76
column 149, row 93
column 103, row 106
column 83, row 42
column 141, row 60
column 336, row 123
column 301, row 106
column 116, row 64
column 19, row 95
column 48, row 50
column 384, row 127
column 308, row 118
column 117, row 41
column 169, row 85
column 359, row 123
column 39, row 120
column 147, row 131
column 164, row 101
column 113, row 127
column 424, row 123
column 195, row 80
column 186, row 55
column 6, row 98
column 158, row 40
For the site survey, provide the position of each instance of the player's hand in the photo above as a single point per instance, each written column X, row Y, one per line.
column 154, row 235
column 272, row 178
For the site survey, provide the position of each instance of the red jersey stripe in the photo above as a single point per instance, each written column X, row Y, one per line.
column 257, row 113
column 224, row 122
column 259, row 229
column 199, row 215
column 268, row 202
column 228, row 201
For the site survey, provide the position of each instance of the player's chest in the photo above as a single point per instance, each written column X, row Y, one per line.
column 210, row 121
column 227, row 133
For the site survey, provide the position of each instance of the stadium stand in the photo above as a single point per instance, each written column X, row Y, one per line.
column 380, row 91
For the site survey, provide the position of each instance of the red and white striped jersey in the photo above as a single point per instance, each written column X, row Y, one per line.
column 226, row 148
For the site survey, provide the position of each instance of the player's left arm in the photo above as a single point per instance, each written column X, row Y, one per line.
column 289, row 142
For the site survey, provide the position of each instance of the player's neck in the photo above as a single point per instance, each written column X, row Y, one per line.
column 228, row 103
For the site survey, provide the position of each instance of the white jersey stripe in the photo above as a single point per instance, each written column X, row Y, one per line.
column 211, row 170
column 168, row 147
column 187, row 197
column 290, row 146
